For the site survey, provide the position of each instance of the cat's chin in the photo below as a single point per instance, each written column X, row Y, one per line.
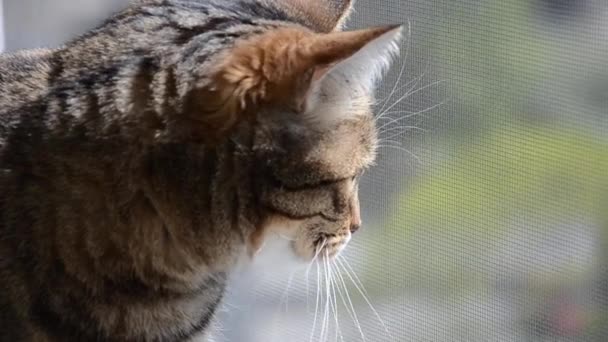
column 280, row 254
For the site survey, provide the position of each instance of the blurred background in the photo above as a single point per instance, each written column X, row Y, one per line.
column 486, row 218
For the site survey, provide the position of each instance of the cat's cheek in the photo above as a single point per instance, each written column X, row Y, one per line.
column 255, row 243
column 304, row 249
column 275, row 243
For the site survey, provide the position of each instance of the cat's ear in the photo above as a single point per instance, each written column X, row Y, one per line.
column 290, row 70
column 338, row 88
column 283, row 67
column 323, row 15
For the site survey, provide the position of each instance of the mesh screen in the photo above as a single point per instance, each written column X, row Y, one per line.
column 486, row 218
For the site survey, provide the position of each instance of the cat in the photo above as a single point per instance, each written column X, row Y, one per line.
column 142, row 160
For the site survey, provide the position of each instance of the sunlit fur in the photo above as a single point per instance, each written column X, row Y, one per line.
column 142, row 160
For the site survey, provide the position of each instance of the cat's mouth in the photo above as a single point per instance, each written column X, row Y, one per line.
column 330, row 245
column 305, row 242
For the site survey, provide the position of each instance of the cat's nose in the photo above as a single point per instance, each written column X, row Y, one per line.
column 355, row 214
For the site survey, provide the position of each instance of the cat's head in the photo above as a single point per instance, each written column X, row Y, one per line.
column 309, row 99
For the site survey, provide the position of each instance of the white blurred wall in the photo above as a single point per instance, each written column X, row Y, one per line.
column 1, row 27
column 48, row 23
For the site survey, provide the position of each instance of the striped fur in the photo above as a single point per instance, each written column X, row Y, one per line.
column 140, row 161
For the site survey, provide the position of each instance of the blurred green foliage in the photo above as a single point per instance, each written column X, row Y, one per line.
column 517, row 161
column 545, row 174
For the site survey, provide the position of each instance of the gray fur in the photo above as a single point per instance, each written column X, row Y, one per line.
column 116, row 222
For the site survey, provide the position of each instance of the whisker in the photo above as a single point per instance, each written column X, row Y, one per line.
column 404, row 128
column 397, row 112
column 400, row 148
column 323, row 322
column 390, row 142
column 410, row 93
column 318, row 250
column 365, row 297
column 414, row 81
column 383, row 120
column 339, row 288
column 280, row 305
column 335, row 302
column 350, row 303
column 401, row 133
column 404, row 63
column 344, row 263
column 328, row 293
column 314, row 322
column 285, row 237
column 395, row 87
column 325, row 330
column 410, row 87
column 285, row 296
column 387, row 121
column 384, row 125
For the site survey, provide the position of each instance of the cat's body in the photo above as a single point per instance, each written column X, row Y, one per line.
column 130, row 184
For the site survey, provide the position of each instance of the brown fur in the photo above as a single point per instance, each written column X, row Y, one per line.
column 139, row 162
column 274, row 69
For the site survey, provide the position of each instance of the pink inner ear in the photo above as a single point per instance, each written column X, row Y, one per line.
column 317, row 75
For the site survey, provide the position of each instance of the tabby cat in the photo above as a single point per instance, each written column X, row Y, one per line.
column 141, row 161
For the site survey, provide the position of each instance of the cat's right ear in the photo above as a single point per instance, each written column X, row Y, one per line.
column 323, row 15
column 284, row 69
column 281, row 68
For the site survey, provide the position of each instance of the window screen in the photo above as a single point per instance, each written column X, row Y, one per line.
column 486, row 217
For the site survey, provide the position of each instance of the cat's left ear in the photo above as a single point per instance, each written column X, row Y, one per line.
column 285, row 68
column 290, row 70
column 352, row 76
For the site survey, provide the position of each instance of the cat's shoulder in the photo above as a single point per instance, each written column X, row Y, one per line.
column 23, row 75
column 24, row 60
column 24, row 78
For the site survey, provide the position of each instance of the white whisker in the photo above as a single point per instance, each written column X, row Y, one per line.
column 363, row 292
column 400, row 133
column 314, row 322
column 280, row 305
column 285, row 237
column 387, row 115
column 410, row 87
column 332, row 282
column 401, row 128
column 341, row 294
column 398, row 112
column 318, row 250
column 410, row 93
column 345, row 264
column 325, row 326
column 414, row 81
column 402, row 69
column 350, row 303
column 400, row 148
column 384, row 125
column 285, row 296
column 381, row 114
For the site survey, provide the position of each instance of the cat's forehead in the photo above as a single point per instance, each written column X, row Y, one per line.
column 338, row 102
column 350, row 146
column 340, row 151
